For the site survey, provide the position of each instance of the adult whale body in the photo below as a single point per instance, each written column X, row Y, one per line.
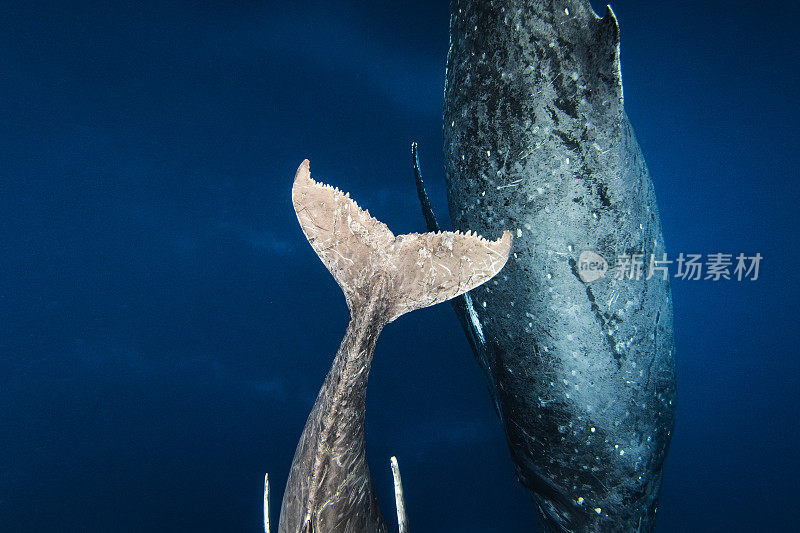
column 382, row 277
column 581, row 370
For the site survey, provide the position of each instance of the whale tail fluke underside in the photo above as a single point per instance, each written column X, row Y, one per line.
column 420, row 270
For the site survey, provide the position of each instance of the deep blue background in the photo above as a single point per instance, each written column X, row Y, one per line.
column 164, row 326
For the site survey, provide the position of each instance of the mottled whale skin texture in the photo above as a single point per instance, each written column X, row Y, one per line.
column 582, row 373
column 383, row 276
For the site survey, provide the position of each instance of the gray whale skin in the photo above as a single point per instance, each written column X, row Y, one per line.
column 581, row 373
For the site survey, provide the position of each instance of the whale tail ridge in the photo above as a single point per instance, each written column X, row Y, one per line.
column 421, row 269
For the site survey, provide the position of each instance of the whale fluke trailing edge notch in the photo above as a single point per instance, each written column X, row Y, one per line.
column 383, row 276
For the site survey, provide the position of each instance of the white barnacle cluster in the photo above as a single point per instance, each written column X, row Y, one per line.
column 423, row 254
column 447, row 241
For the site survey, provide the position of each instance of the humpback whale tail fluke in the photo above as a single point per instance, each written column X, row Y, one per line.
column 419, row 270
column 382, row 276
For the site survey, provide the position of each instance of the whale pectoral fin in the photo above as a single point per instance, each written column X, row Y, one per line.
column 463, row 304
column 350, row 243
column 435, row 267
column 424, row 201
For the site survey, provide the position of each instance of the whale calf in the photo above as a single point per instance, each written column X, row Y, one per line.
column 383, row 276
column 579, row 357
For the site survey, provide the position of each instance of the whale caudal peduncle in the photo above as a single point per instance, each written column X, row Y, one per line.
column 383, row 276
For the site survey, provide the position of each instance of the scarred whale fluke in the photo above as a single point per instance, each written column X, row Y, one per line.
column 383, row 276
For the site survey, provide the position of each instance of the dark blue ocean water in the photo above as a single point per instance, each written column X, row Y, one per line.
column 164, row 326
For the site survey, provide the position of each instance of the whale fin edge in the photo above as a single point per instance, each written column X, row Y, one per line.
column 420, row 269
